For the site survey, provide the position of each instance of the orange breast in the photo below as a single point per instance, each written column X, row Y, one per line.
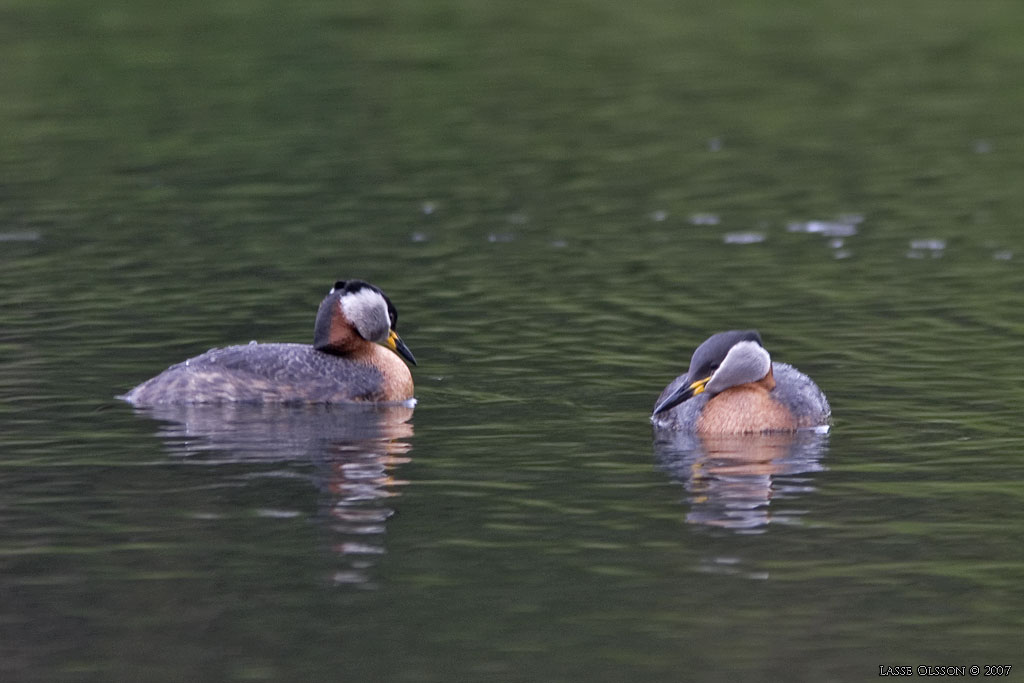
column 398, row 384
column 745, row 409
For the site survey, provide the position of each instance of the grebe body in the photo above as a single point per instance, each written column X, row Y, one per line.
column 733, row 387
column 347, row 361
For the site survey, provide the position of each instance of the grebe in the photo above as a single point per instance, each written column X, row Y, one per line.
column 346, row 362
column 733, row 387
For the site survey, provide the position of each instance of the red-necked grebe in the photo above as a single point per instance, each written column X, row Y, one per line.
column 733, row 387
column 347, row 362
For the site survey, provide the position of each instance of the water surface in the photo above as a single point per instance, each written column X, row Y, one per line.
column 562, row 201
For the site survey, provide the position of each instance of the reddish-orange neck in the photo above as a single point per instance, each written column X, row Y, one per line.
column 746, row 409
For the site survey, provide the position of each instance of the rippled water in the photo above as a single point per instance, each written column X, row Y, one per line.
column 562, row 200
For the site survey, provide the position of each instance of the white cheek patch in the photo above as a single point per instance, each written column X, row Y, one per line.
column 746, row 362
column 367, row 310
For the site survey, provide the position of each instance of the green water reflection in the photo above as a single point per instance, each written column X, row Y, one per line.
column 562, row 199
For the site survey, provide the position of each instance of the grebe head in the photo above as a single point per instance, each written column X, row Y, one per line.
column 724, row 360
column 354, row 306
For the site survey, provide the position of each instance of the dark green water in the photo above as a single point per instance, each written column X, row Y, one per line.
column 562, row 199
